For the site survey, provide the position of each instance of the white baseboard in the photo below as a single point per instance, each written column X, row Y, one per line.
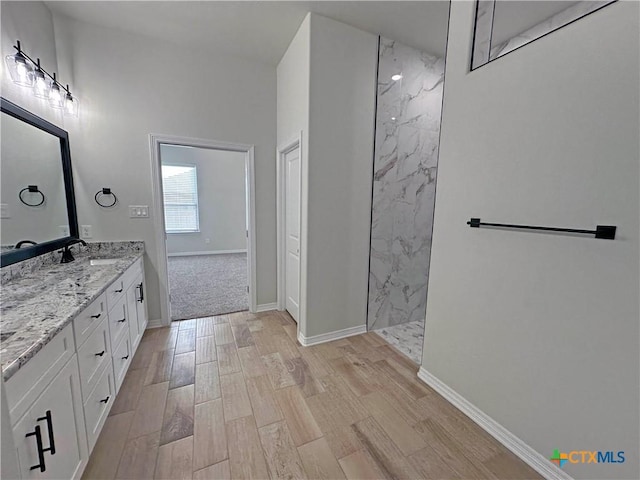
column 210, row 252
column 328, row 337
column 266, row 307
column 528, row 455
column 157, row 323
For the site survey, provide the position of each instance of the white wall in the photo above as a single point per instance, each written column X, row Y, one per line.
column 541, row 331
column 342, row 93
column 221, row 200
column 293, row 86
column 326, row 88
column 32, row 24
column 131, row 86
column 293, row 121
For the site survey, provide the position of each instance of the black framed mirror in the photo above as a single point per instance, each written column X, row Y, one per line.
column 502, row 26
column 38, row 207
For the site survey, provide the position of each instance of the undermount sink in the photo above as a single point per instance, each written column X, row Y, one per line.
column 102, row 261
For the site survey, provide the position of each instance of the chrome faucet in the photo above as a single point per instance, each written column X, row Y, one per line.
column 66, row 253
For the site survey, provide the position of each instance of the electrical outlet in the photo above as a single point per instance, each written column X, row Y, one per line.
column 207, row 240
column 138, row 211
column 64, row 230
column 85, row 231
column 4, row 210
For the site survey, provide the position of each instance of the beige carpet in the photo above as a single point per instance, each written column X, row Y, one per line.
column 206, row 285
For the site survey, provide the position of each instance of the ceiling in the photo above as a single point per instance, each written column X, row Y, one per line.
column 262, row 30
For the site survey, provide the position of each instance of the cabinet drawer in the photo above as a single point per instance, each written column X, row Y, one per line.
column 97, row 405
column 121, row 360
column 93, row 355
column 33, row 377
column 114, row 292
column 118, row 321
column 84, row 323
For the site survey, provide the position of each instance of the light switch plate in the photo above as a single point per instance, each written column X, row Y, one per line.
column 4, row 210
column 85, row 231
column 138, row 211
column 64, row 230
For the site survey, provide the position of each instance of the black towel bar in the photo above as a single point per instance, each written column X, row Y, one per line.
column 607, row 232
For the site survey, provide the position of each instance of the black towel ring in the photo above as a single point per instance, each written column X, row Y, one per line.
column 31, row 189
column 106, row 191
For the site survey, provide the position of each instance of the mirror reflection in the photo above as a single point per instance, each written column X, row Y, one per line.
column 33, row 200
column 504, row 25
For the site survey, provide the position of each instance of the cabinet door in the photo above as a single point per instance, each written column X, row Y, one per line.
column 51, row 435
column 141, row 303
column 132, row 310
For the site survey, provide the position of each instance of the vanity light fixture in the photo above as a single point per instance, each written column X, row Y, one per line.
column 70, row 104
column 27, row 73
column 396, row 77
column 40, row 84
column 19, row 68
column 55, row 96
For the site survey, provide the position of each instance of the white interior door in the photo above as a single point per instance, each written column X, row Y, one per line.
column 292, row 231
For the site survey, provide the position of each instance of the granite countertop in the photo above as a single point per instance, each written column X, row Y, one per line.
column 36, row 306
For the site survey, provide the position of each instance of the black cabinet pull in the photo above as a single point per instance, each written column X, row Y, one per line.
column 96, row 316
column 125, row 358
column 123, row 320
column 41, row 465
column 118, row 291
column 52, row 443
column 100, row 354
column 105, row 400
column 141, row 287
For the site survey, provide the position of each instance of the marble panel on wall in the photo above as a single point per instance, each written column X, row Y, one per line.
column 405, row 166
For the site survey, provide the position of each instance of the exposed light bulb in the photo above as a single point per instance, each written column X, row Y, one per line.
column 55, row 98
column 40, row 85
column 396, row 77
column 69, row 105
column 23, row 73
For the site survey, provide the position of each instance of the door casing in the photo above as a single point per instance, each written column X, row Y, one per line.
column 155, row 141
column 294, row 143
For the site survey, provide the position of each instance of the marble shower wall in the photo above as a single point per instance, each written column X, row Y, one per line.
column 405, row 166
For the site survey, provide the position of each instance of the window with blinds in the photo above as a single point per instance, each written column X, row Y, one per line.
column 180, row 186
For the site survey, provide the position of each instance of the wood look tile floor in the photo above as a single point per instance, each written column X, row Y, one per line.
column 235, row 396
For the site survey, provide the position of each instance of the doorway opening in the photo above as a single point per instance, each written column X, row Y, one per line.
column 204, row 199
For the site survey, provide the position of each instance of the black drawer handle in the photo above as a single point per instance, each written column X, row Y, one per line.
column 105, row 400
column 52, row 443
column 41, row 465
column 118, row 291
column 100, row 354
column 96, row 316
column 141, row 287
column 125, row 358
column 123, row 320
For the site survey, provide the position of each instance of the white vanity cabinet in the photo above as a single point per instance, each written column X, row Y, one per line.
column 45, row 405
column 50, row 436
column 59, row 400
column 136, row 304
